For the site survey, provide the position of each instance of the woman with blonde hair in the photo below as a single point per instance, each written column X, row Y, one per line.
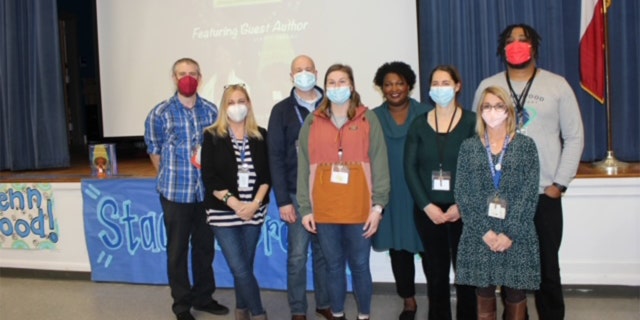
column 235, row 172
column 497, row 193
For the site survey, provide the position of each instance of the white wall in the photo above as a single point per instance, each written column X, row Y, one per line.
column 601, row 243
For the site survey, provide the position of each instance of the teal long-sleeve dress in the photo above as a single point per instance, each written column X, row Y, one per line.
column 519, row 266
column 397, row 230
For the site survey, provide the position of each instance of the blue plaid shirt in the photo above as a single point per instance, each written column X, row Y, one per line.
column 174, row 132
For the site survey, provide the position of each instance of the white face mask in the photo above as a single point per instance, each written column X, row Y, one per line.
column 304, row 80
column 442, row 96
column 237, row 112
column 339, row 95
column 494, row 118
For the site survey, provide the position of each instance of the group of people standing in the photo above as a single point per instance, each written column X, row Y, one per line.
column 475, row 189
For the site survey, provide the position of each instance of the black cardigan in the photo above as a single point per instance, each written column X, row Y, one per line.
column 220, row 169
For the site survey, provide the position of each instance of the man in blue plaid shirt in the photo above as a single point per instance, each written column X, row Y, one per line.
column 173, row 134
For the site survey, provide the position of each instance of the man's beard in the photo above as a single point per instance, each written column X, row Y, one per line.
column 521, row 65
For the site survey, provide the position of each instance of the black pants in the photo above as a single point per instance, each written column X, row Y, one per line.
column 184, row 223
column 548, row 221
column 404, row 271
column 440, row 244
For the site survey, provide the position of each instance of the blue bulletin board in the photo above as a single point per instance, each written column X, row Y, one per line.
column 126, row 237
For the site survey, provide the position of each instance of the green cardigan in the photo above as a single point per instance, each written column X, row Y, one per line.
column 421, row 157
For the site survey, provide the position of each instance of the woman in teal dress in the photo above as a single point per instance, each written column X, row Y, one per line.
column 431, row 155
column 496, row 190
column 397, row 232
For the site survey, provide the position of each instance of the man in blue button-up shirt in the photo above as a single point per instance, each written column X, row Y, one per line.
column 173, row 134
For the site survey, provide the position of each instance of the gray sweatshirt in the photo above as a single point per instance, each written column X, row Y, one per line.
column 555, row 123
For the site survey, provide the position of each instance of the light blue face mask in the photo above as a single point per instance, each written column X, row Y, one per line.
column 304, row 80
column 339, row 95
column 442, row 96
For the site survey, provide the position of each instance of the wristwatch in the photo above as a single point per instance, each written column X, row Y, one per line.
column 226, row 197
column 560, row 187
column 377, row 208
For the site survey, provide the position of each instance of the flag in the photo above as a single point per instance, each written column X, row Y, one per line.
column 592, row 46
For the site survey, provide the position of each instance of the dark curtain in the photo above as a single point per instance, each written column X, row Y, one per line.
column 33, row 131
column 465, row 34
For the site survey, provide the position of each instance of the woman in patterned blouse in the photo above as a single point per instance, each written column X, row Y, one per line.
column 497, row 193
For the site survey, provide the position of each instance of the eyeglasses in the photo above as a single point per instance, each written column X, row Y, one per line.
column 235, row 85
column 498, row 107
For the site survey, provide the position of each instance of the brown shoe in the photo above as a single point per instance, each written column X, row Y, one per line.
column 242, row 314
column 486, row 308
column 516, row 311
column 325, row 313
column 298, row 317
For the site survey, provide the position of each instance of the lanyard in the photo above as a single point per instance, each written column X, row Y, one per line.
column 520, row 100
column 298, row 114
column 442, row 145
column 496, row 169
column 192, row 120
column 340, row 153
column 233, row 138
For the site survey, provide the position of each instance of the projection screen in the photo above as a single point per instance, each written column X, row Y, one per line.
column 241, row 41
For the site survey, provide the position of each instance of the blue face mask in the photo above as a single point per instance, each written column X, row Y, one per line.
column 442, row 96
column 304, row 80
column 339, row 95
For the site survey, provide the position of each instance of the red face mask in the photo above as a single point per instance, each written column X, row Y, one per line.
column 187, row 86
column 518, row 52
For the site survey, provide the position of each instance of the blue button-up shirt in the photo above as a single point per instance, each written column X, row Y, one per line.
column 174, row 132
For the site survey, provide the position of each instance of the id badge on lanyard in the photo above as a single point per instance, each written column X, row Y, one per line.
column 243, row 176
column 497, row 207
column 340, row 171
column 243, row 170
column 440, row 180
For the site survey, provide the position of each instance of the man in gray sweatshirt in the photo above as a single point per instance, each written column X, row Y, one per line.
column 548, row 112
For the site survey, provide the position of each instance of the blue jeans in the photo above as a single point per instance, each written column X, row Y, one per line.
column 298, row 239
column 238, row 245
column 341, row 243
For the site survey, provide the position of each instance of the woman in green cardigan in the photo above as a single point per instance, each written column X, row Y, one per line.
column 431, row 156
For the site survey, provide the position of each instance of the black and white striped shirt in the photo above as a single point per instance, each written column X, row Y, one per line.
column 222, row 218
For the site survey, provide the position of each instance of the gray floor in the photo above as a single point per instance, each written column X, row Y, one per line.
column 53, row 298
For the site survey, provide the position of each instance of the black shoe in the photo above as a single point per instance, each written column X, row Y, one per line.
column 325, row 313
column 186, row 315
column 214, row 308
column 408, row 315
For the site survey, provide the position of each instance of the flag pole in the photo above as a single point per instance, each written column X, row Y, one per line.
column 610, row 165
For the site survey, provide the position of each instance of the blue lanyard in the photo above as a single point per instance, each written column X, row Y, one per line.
column 233, row 138
column 192, row 121
column 496, row 169
column 298, row 113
